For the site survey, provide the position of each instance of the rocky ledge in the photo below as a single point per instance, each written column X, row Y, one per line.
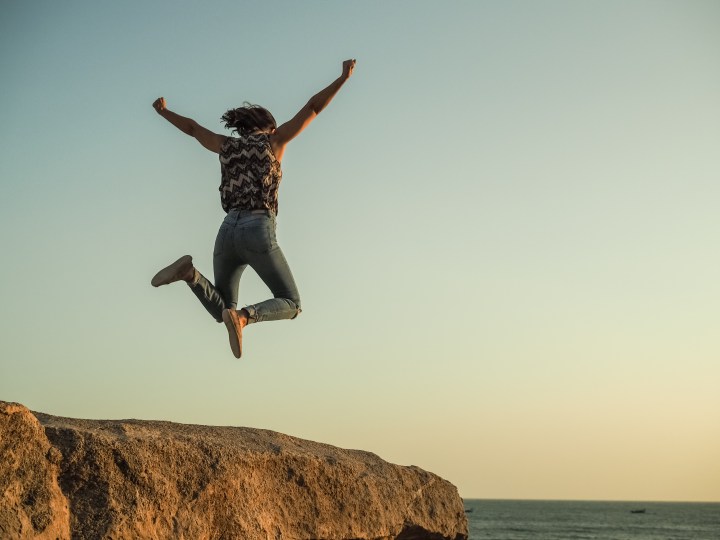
column 91, row 479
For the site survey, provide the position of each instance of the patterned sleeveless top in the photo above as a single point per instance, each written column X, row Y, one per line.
column 250, row 173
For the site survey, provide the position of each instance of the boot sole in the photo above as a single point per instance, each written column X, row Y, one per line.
column 171, row 273
column 235, row 343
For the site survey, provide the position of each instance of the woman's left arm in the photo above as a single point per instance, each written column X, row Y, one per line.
column 211, row 141
column 292, row 128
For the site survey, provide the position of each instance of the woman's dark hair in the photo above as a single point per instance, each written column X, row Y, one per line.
column 249, row 118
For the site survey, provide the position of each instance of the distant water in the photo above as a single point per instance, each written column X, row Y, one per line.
column 581, row 520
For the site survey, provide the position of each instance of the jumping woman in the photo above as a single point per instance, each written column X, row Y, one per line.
column 250, row 167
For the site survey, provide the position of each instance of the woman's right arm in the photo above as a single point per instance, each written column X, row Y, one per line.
column 211, row 141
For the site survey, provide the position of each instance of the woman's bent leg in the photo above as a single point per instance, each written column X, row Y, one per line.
column 273, row 269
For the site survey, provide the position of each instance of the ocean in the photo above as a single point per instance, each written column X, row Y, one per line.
column 591, row 520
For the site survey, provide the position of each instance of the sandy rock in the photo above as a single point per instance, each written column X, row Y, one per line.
column 31, row 503
column 152, row 480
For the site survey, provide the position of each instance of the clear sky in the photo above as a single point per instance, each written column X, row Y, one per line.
column 504, row 230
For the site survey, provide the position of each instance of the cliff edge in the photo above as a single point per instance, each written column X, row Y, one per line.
column 90, row 479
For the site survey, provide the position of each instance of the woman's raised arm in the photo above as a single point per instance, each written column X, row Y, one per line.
column 292, row 128
column 211, row 141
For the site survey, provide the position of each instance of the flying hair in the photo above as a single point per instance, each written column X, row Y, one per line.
column 249, row 118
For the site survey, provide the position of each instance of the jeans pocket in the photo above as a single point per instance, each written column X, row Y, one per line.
column 259, row 236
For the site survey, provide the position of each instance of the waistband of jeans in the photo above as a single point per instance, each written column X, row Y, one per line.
column 245, row 212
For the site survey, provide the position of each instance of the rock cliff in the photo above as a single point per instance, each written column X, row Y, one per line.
column 131, row 479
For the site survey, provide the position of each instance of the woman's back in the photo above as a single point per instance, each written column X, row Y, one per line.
column 250, row 173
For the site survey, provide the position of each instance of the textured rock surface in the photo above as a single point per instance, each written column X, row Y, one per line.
column 31, row 503
column 141, row 479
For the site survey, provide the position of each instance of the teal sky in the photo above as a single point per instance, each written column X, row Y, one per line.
column 504, row 229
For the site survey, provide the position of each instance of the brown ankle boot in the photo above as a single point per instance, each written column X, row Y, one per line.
column 231, row 318
column 182, row 269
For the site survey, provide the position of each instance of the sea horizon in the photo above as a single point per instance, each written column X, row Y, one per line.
column 559, row 519
column 671, row 501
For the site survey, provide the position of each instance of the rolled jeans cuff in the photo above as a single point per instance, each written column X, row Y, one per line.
column 272, row 310
column 252, row 314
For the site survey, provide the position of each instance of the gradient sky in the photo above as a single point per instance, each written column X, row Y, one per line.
column 504, row 230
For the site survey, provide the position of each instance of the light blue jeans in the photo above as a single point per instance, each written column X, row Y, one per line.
column 247, row 238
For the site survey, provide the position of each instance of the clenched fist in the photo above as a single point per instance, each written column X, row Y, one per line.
column 347, row 68
column 159, row 104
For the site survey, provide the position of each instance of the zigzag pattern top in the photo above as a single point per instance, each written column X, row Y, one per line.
column 250, row 173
